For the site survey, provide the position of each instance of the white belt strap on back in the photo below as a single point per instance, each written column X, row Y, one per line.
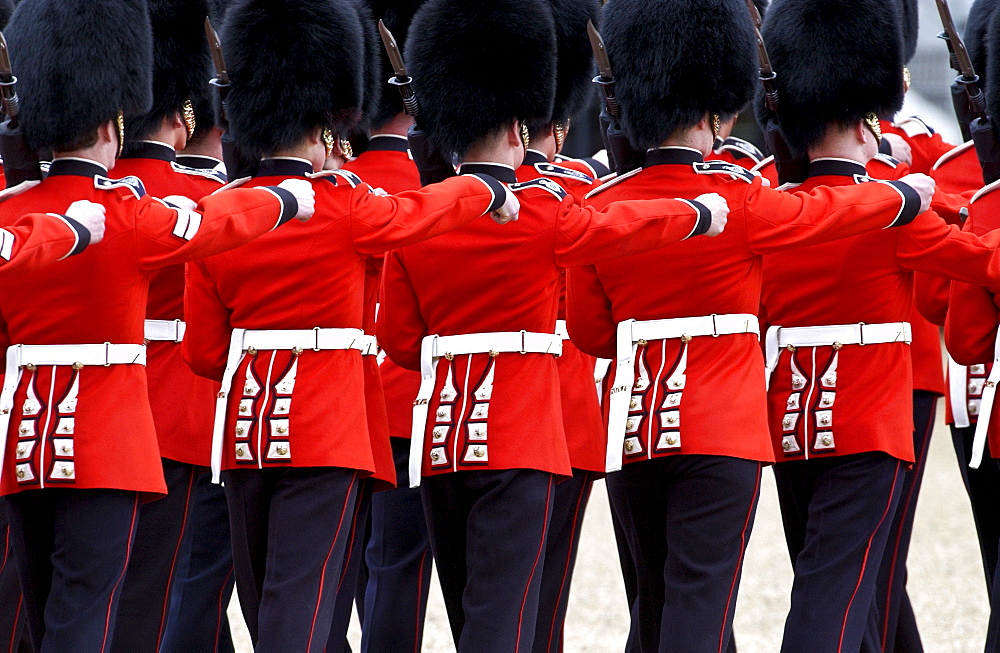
column 270, row 340
column 55, row 355
column 631, row 333
column 434, row 347
column 958, row 384
column 164, row 330
column 986, row 409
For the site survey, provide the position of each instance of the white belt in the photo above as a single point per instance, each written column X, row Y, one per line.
column 244, row 340
column 832, row 336
column 165, row 330
column 19, row 356
column 958, row 392
column 434, row 347
column 632, row 333
column 986, row 408
column 601, row 367
column 561, row 329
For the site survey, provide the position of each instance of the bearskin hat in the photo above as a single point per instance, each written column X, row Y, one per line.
column 575, row 68
column 372, row 63
column 181, row 63
column 836, row 63
column 78, row 64
column 975, row 34
column 991, row 44
column 397, row 15
column 677, row 60
column 6, row 9
column 477, row 66
column 294, row 65
column 910, row 21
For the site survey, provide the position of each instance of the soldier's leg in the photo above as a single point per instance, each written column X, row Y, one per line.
column 710, row 507
column 399, row 565
column 12, row 620
column 72, row 548
column 248, row 494
column 983, row 486
column 347, row 580
column 142, row 612
column 446, row 503
column 571, row 497
column 853, row 501
column 621, row 522
column 202, row 591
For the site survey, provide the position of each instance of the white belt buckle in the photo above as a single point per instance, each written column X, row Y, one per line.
column 177, row 331
column 861, row 333
column 715, row 327
column 524, row 349
column 316, row 339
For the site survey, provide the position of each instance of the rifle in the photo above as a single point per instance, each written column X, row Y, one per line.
column 966, row 95
column 433, row 165
column 20, row 162
column 621, row 155
column 238, row 164
column 790, row 167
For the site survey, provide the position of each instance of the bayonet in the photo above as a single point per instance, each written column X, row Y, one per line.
column 7, row 82
column 221, row 79
column 606, row 78
column 765, row 73
column 238, row 165
column 401, row 80
column 755, row 14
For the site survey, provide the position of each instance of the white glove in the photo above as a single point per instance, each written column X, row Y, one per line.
column 924, row 186
column 508, row 212
column 720, row 212
column 91, row 216
column 899, row 148
column 304, row 195
column 380, row 192
column 181, row 202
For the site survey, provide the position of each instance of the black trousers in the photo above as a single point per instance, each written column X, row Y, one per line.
column 290, row 528
column 897, row 625
column 204, row 580
column 399, row 564
column 487, row 531
column 156, row 553
column 837, row 513
column 349, row 582
column 11, row 603
column 688, row 521
column 565, row 527
column 72, row 548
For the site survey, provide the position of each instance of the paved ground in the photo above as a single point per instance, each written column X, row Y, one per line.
column 945, row 575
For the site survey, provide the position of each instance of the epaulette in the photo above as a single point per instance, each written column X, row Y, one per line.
column 352, row 179
column 985, row 190
column 952, row 153
column 740, row 146
column 236, row 183
column 553, row 170
column 207, row 173
column 915, row 126
column 611, row 182
column 543, row 183
column 130, row 183
column 8, row 193
column 862, row 179
column 724, row 168
column 888, row 160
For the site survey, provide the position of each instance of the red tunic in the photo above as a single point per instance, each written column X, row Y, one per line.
column 724, row 398
column 866, row 278
column 926, row 145
column 483, row 278
column 278, row 283
column 973, row 317
column 97, row 297
column 184, row 434
column 38, row 239
column 580, row 407
column 389, row 389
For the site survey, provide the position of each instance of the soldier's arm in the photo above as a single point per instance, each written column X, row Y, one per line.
column 589, row 319
column 970, row 329
column 384, row 222
column 929, row 244
column 778, row 220
column 206, row 343
column 37, row 239
column 931, row 296
column 401, row 326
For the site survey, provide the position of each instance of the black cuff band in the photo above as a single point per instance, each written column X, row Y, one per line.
column 885, row 147
column 499, row 192
column 704, row 219
column 289, row 205
column 82, row 235
column 911, row 204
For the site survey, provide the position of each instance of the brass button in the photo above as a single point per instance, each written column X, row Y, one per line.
column 282, row 429
column 642, row 343
column 671, row 419
column 66, row 448
column 786, row 445
column 791, row 348
column 629, row 446
column 675, row 384
column 435, row 456
column 65, row 428
column 442, row 413
column 78, row 365
column 282, row 450
column 67, row 471
column 787, row 422
column 671, row 440
column 24, row 428
column 824, row 420
column 240, row 430
column 20, row 473
column 826, row 440
column 629, row 424
column 478, row 452
column 244, row 409
column 685, row 338
column 480, row 432
column 252, row 351
column 296, row 351
column 30, row 367
column 790, row 403
column 240, row 450
column 797, row 384
column 633, row 404
column 494, row 353
column 829, row 380
column 990, row 384
column 837, row 346
column 21, row 449
column 221, row 395
column 449, row 356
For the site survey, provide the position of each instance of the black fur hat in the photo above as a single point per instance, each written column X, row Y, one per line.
column 975, row 34
column 181, row 63
column 836, row 62
column 477, row 66
column 991, row 39
column 397, row 15
column 6, row 9
column 372, row 64
column 909, row 11
column 677, row 60
column 575, row 67
column 294, row 65
column 78, row 64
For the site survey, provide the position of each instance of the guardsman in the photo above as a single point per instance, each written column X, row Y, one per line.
column 397, row 554
column 180, row 78
column 81, row 450
column 291, row 429
column 475, row 310
column 840, row 396
column 682, row 320
column 580, row 408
